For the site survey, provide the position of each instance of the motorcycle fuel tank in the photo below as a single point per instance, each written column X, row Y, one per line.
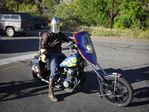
column 70, row 61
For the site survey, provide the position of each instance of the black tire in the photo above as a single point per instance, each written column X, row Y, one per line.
column 34, row 74
column 10, row 31
column 23, row 34
column 123, row 94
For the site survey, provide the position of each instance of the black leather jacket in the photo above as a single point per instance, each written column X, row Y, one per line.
column 52, row 42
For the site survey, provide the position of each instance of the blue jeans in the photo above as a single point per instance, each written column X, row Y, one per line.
column 53, row 62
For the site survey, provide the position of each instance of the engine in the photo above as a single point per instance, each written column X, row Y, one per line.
column 70, row 79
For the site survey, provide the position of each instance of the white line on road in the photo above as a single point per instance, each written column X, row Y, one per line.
column 16, row 59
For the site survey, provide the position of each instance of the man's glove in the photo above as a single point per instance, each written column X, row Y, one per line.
column 53, row 43
column 43, row 55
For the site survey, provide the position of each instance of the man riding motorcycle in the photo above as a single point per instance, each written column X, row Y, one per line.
column 50, row 52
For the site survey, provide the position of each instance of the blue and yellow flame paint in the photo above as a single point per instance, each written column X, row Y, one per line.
column 69, row 61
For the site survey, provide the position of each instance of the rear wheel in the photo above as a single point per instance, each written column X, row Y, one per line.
column 118, row 93
column 34, row 74
column 10, row 31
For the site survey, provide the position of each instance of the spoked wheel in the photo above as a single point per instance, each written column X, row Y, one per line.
column 117, row 92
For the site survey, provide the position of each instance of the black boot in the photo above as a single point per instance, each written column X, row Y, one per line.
column 51, row 93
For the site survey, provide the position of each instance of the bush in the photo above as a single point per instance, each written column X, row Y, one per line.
column 69, row 25
column 119, row 33
column 130, row 15
column 144, row 35
column 29, row 8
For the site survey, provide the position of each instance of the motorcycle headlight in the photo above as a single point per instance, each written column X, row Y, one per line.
column 89, row 49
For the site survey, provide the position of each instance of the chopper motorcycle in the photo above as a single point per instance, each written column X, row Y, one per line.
column 113, row 87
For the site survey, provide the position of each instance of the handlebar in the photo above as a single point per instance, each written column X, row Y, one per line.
column 65, row 48
column 71, row 46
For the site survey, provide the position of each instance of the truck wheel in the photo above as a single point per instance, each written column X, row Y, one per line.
column 10, row 31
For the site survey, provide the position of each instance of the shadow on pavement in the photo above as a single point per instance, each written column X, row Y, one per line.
column 28, row 88
column 20, row 89
column 141, row 94
column 19, row 45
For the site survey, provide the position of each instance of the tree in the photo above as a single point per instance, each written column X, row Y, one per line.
column 10, row 5
column 95, row 12
column 66, row 11
column 29, row 8
column 2, row 7
column 48, row 7
column 130, row 15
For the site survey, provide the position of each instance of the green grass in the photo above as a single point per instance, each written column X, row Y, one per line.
column 117, row 33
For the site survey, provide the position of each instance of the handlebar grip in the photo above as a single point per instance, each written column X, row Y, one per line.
column 65, row 48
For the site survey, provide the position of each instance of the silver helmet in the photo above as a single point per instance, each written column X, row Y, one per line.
column 55, row 25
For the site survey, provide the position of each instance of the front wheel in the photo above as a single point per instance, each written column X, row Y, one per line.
column 10, row 31
column 116, row 91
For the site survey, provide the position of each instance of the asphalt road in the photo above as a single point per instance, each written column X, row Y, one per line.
column 20, row 93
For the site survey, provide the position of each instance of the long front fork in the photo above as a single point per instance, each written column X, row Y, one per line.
column 101, row 76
